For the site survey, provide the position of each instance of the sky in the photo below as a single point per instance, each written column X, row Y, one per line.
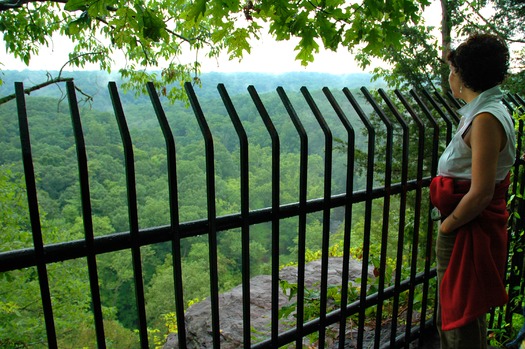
column 267, row 56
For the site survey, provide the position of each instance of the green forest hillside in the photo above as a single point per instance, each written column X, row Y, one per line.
column 54, row 155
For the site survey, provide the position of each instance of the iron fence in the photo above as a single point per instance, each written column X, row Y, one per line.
column 402, row 138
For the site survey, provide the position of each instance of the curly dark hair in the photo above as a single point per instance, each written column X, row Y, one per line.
column 482, row 61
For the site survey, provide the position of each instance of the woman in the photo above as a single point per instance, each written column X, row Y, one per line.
column 469, row 193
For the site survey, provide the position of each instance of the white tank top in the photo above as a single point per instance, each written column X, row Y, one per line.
column 456, row 160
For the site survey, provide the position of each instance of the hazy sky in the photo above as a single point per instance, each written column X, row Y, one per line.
column 267, row 56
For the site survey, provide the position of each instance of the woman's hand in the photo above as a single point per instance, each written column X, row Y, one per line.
column 444, row 227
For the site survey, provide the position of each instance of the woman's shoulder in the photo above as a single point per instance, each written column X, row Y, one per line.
column 493, row 105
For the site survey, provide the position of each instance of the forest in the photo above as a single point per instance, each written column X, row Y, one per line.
column 55, row 164
column 154, row 35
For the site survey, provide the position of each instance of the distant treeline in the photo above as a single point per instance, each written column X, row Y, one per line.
column 94, row 83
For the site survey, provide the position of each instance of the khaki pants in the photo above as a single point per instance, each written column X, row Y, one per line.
column 472, row 335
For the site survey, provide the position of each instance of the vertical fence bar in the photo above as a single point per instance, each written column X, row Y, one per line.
column 435, row 127
column 401, row 228
column 303, row 137
column 86, row 214
column 34, row 215
column 520, row 155
column 443, row 115
column 451, row 111
column 385, row 224
column 507, row 104
column 212, row 213
column 368, row 213
column 519, row 101
column 174, row 212
column 433, row 171
column 245, row 211
column 516, row 224
column 276, row 168
column 132, row 211
column 505, row 101
column 348, row 211
column 418, row 202
column 327, row 195
column 453, row 100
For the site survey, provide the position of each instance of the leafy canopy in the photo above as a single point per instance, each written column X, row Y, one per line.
column 419, row 61
column 154, row 34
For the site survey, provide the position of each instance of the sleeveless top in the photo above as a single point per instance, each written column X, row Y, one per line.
column 456, row 160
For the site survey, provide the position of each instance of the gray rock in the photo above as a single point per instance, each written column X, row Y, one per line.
column 198, row 316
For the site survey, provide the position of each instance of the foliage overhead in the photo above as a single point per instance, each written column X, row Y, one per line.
column 155, row 34
column 419, row 61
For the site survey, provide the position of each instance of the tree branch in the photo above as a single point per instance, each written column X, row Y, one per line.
column 490, row 25
column 76, row 58
column 6, row 5
column 35, row 88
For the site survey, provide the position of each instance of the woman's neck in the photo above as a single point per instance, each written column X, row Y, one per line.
column 468, row 95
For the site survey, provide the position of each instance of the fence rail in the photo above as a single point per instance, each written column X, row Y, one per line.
column 397, row 174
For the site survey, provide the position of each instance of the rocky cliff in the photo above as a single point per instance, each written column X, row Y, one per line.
column 198, row 316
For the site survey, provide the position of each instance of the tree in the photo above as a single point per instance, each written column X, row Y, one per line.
column 155, row 34
column 20, row 304
column 416, row 65
column 505, row 18
column 420, row 62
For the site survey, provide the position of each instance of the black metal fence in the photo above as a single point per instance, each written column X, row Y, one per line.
column 401, row 137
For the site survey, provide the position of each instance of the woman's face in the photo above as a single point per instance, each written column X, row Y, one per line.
column 454, row 82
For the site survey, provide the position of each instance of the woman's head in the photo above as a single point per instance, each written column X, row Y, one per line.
column 481, row 62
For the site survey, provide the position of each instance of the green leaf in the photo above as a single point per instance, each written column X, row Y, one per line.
column 286, row 310
column 197, row 10
column 73, row 28
column 307, row 47
column 153, row 25
column 76, row 5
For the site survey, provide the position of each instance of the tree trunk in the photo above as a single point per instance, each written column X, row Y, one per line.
column 445, row 42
